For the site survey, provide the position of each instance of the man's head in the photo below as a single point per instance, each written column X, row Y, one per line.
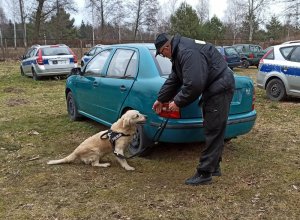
column 163, row 45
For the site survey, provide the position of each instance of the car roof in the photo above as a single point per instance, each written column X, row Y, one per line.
column 287, row 45
column 45, row 46
column 135, row 45
column 291, row 42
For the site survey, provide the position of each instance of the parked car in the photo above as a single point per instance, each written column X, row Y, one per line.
column 88, row 55
column 231, row 56
column 252, row 52
column 129, row 76
column 48, row 60
column 279, row 71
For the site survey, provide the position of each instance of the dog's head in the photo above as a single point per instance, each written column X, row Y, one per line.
column 133, row 117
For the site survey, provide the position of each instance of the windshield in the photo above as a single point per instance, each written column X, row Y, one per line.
column 164, row 64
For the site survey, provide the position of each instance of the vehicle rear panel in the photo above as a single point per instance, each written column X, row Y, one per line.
column 241, row 103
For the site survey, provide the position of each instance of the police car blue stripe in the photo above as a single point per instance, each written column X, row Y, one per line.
column 293, row 71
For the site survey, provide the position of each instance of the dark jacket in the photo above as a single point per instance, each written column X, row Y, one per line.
column 197, row 69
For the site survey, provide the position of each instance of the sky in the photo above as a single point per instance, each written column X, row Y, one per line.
column 216, row 7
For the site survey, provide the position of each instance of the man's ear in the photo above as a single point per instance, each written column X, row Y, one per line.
column 126, row 122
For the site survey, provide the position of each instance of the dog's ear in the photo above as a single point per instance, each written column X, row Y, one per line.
column 126, row 122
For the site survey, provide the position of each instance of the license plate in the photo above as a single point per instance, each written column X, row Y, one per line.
column 54, row 61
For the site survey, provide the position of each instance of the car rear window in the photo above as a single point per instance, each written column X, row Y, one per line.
column 230, row 51
column 164, row 64
column 54, row 51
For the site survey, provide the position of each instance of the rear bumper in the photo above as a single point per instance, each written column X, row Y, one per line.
column 43, row 71
column 183, row 131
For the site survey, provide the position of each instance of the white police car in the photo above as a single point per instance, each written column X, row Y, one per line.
column 88, row 55
column 48, row 60
column 279, row 71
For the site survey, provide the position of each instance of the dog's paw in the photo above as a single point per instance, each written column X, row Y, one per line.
column 129, row 168
column 105, row 164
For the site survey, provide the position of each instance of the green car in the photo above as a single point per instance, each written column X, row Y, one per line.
column 250, row 54
column 129, row 76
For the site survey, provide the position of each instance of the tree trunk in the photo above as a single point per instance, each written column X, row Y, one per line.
column 38, row 17
column 21, row 3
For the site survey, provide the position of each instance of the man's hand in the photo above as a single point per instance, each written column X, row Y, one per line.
column 157, row 106
column 173, row 106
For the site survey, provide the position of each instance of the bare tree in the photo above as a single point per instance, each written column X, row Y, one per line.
column 107, row 11
column 3, row 20
column 202, row 9
column 144, row 14
column 22, row 15
column 254, row 7
column 234, row 17
column 46, row 8
column 292, row 12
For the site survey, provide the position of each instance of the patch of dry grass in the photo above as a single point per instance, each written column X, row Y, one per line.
column 261, row 170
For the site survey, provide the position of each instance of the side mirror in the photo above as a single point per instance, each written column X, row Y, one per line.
column 86, row 53
column 75, row 71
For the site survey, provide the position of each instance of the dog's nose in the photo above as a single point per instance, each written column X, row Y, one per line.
column 146, row 117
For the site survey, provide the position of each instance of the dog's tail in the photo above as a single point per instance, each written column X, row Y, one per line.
column 67, row 159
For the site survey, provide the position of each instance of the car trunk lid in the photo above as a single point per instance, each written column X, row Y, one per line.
column 242, row 101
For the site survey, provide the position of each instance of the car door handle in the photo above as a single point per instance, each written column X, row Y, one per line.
column 123, row 88
column 95, row 84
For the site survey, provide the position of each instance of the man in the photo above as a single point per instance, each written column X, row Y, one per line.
column 198, row 69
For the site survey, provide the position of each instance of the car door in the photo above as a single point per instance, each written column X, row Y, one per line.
column 28, row 60
column 292, row 70
column 87, row 85
column 116, row 85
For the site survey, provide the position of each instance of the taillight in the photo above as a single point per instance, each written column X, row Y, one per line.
column 264, row 56
column 167, row 113
column 75, row 57
column 251, row 55
column 253, row 99
column 39, row 60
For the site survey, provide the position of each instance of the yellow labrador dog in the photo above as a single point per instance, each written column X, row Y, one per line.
column 115, row 140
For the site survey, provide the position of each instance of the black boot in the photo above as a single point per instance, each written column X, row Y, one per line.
column 217, row 171
column 200, row 178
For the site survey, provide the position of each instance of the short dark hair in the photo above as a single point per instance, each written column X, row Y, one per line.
column 160, row 41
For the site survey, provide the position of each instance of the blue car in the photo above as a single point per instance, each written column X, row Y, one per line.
column 129, row 76
column 88, row 55
column 231, row 56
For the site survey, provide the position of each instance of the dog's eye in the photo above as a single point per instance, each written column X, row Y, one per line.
column 137, row 116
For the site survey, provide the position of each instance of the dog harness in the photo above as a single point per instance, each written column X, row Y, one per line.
column 113, row 136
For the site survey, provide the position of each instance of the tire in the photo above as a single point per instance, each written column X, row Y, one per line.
column 140, row 143
column 72, row 108
column 245, row 64
column 35, row 77
column 276, row 90
column 22, row 71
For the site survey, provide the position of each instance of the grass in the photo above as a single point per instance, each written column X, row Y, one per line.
column 261, row 170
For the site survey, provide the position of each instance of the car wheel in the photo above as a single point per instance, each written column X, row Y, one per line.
column 276, row 90
column 34, row 75
column 245, row 64
column 72, row 108
column 140, row 143
column 22, row 72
